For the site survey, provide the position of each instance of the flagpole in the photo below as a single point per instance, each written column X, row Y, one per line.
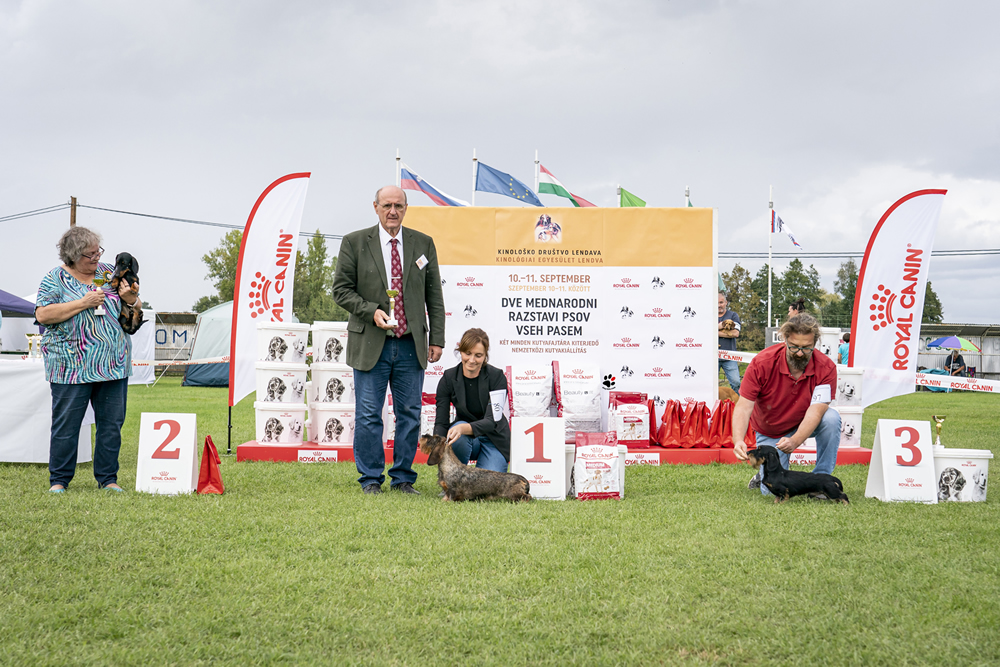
column 536, row 171
column 687, row 195
column 770, row 236
column 618, row 191
column 475, row 171
column 397, row 169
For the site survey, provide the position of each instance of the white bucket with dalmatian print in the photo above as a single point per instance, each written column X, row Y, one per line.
column 332, row 383
column 329, row 342
column 331, row 423
column 961, row 474
column 282, row 341
column 281, row 383
column 279, row 423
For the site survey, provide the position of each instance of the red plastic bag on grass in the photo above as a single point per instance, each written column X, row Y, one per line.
column 712, row 440
column 209, row 476
column 689, row 425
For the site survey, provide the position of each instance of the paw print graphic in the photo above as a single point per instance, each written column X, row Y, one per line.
column 609, row 381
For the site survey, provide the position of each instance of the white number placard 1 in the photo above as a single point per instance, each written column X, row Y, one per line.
column 902, row 465
column 538, row 452
column 168, row 457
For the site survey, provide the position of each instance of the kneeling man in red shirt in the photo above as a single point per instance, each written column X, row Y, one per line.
column 786, row 394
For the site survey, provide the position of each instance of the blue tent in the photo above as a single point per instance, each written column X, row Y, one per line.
column 211, row 339
column 15, row 306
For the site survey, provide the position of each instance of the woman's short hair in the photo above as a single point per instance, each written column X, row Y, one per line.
column 802, row 324
column 474, row 337
column 75, row 242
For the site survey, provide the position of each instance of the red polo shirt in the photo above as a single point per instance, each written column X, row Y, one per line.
column 780, row 402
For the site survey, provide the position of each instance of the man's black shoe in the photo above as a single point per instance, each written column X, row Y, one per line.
column 372, row 489
column 405, row 487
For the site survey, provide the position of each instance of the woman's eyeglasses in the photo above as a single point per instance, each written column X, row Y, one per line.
column 94, row 256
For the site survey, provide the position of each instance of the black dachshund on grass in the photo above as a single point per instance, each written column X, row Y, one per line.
column 787, row 483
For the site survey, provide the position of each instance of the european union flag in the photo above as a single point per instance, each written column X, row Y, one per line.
column 489, row 179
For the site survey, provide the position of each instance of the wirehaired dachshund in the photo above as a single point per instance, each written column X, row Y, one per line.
column 787, row 483
column 461, row 482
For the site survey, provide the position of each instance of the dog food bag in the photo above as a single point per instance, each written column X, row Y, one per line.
column 389, row 429
column 530, row 389
column 596, row 469
column 578, row 397
column 628, row 414
column 428, row 413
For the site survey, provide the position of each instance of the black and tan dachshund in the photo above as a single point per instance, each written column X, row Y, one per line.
column 787, row 483
column 127, row 267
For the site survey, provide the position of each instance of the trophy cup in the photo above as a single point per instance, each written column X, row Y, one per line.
column 99, row 281
column 938, row 421
column 392, row 321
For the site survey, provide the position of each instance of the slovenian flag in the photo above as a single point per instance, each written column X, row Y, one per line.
column 549, row 184
column 409, row 180
column 779, row 225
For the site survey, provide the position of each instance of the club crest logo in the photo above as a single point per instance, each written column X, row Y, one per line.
column 547, row 230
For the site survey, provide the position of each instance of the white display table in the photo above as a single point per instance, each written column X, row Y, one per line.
column 26, row 414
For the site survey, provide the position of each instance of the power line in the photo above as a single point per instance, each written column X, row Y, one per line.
column 37, row 211
column 845, row 255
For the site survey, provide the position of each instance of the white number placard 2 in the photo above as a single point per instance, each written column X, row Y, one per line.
column 168, row 457
column 538, row 452
column 902, row 465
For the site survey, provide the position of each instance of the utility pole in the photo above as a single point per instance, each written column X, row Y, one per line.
column 72, row 211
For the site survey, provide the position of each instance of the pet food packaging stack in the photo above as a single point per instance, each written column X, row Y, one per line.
column 280, row 408
column 628, row 416
column 578, row 396
column 597, row 471
column 332, row 401
column 428, row 413
column 529, row 387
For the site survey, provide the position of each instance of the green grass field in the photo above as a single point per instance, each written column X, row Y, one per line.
column 294, row 565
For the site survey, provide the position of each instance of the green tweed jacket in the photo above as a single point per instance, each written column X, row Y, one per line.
column 359, row 287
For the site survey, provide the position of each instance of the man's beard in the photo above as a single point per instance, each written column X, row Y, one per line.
column 797, row 364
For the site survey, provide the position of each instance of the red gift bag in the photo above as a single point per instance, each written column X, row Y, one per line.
column 712, row 440
column 702, row 422
column 689, row 425
column 670, row 425
column 726, row 426
column 209, row 477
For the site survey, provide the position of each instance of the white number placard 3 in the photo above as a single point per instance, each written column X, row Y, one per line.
column 902, row 465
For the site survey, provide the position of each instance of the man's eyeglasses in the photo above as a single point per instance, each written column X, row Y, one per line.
column 95, row 256
column 389, row 207
column 796, row 348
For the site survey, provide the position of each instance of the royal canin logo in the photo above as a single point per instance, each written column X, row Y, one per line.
column 447, row 313
column 529, row 375
column 896, row 311
column 435, row 370
column 688, row 399
column 657, row 314
column 268, row 285
column 540, row 479
column 578, row 371
column 626, row 343
column 164, row 476
column 910, row 483
column 656, row 372
column 688, row 283
column 688, row 343
column 469, row 282
column 625, row 283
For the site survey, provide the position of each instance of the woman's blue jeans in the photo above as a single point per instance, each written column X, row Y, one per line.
column 69, row 404
column 481, row 450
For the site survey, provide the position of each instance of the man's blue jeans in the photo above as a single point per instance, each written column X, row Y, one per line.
column 827, row 436
column 481, row 450
column 398, row 368
column 732, row 370
column 69, row 404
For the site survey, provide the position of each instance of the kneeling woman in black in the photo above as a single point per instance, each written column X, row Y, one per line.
column 479, row 433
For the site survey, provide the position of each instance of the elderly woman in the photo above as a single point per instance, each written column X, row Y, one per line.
column 478, row 433
column 88, row 357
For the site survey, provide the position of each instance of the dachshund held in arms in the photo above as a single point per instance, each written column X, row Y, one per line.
column 461, row 482
column 127, row 267
column 787, row 483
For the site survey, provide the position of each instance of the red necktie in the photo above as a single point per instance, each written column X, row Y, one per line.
column 397, row 284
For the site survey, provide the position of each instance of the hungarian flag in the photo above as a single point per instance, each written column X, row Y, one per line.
column 549, row 184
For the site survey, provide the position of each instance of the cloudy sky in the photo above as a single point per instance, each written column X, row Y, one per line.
column 190, row 109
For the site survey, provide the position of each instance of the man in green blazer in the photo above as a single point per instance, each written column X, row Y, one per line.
column 381, row 352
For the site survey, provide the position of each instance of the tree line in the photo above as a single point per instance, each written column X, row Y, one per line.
column 748, row 298
column 312, row 295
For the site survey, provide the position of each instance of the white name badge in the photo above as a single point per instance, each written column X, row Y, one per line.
column 538, row 452
column 168, row 457
column 902, row 464
column 821, row 394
